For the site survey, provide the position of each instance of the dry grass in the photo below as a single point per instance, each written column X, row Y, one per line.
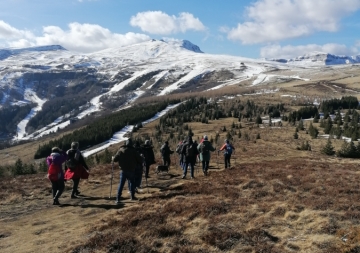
column 273, row 199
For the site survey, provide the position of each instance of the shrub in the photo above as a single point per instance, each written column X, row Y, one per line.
column 348, row 150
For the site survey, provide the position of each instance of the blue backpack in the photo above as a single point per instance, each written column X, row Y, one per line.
column 228, row 149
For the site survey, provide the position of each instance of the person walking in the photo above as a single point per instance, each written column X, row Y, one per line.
column 75, row 168
column 189, row 152
column 138, row 168
column 128, row 159
column 228, row 150
column 204, row 149
column 56, row 173
column 165, row 153
column 149, row 155
column 178, row 151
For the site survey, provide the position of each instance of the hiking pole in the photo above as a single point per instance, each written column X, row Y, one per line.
column 217, row 159
column 112, row 175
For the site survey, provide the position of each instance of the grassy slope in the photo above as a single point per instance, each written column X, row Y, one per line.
column 274, row 199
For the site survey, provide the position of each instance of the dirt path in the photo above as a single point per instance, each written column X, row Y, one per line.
column 30, row 223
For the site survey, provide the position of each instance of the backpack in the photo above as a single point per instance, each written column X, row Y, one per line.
column 179, row 148
column 72, row 163
column 203, row 148
column 190, row 150
column 228, row 149
column 54, row 172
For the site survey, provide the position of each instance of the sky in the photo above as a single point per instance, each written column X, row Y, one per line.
column 248, row 28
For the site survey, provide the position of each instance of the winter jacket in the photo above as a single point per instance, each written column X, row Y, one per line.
column 128, row 158
column 205, row 155
column 148, row 153
column 187, row 159
column 58, row 159
column 224, row 147
column 165, row 151
column 81, row 170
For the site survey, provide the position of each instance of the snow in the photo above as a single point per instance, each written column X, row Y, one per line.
column 120, row 135
column 173, row 58
column 31, row 96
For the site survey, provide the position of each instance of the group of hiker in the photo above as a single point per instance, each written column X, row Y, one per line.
column 75, row 169
column 189, row 151
column 134, row 160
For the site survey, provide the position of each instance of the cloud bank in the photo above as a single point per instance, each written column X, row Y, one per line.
column 157, row 22
column 78, row 37
column 276, row 20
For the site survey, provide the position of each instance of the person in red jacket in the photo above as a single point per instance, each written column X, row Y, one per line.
column 228, row 150
column 75, row 168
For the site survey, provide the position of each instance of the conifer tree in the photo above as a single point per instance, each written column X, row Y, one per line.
column 328, row 149
column 313, row 131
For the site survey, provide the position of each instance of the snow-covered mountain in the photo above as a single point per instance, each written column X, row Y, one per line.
column 63, row 85
column 318, row 58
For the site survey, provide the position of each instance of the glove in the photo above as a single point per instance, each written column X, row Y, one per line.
column 112, row 159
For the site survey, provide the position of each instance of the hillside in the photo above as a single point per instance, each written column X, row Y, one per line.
column 44, row 89
column 273, row 199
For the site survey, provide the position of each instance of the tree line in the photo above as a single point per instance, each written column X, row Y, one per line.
column 104, row 128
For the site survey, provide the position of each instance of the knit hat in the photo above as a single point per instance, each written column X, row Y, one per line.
column 205, row 137
column 74, row 145
column 55, row 150
column 147, row 142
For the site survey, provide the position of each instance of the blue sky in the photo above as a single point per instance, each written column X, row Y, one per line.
column 255, row 29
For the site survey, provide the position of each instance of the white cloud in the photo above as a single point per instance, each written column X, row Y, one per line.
column 275, row 20
column 79, row 37
column 157, row 22
column 9, row 32
column 289, row 51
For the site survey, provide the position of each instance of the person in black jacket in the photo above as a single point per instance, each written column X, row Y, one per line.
column 148, row 152
column 189, row 152
column 80, row 170
column 165, row 153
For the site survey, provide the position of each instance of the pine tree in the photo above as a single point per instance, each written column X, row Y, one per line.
column 258, row 120
column 313, row 131
column 296, row 136
column 328, row 149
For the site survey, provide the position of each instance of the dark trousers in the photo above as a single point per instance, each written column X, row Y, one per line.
column 227, row 160
column 76, row 182
column 138, row 176
column 185, row 167
column 147, row 169
column 57, row 188
column 126, row 175
column 205, row 165
column 166, row 161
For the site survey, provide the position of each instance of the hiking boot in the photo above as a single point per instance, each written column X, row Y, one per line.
column 192, row 177
column 183, row 177
column 56, row 202
column 73, row 197
column 204, row 173
column 134, row 198
column 77, row 192
column 117, row 202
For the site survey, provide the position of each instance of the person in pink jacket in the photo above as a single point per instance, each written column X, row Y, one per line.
column 56, row 173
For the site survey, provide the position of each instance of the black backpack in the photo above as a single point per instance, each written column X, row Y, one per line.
column 71, row 163
column 190, row 150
